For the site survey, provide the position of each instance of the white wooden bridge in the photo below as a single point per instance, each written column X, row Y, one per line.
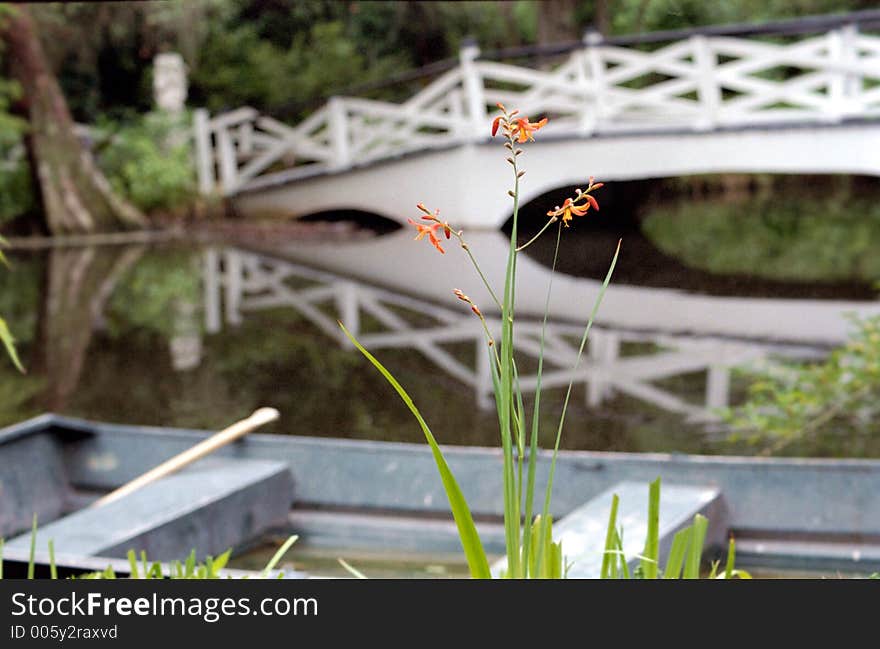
column 791, row 97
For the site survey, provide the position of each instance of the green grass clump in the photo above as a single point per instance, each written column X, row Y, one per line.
column 142, row 568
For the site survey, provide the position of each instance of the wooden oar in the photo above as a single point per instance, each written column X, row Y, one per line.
column 238, row 429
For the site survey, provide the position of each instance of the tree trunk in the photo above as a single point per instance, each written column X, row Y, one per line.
column 602, row 16
column 556, row 22
column 76, row 196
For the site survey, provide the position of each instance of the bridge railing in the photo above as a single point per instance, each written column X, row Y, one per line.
column 819, row 70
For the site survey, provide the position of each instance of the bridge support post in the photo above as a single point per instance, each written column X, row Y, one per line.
column 708, row 89
column 339, row 133
column 475, row 98
column 233, row 278
column 211, row 285
column 228, row 164
column 593, row 81
column 204, row 154
column 845, row 87
column 717, row 386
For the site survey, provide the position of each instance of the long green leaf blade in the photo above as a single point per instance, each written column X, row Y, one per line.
column 533, row 441
column 277, row 556
column 470, row 539
column 651, row 553
column 695, row 552
column 731, row 559
column 675, row 559
column 549, row 489
column 31, row 557
column 132, row 561
column 351, row 569
column 609, row 559
column 9, row 343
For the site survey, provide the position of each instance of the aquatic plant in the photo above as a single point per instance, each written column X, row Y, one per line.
column 142, row 568
column 790, row 403
column 530, row 549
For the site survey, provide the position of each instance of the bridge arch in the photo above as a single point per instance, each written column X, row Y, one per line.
column 469, row 183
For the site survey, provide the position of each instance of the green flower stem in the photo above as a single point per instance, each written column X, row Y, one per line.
column 577, row 363
column 540, row 232
column 533, row 442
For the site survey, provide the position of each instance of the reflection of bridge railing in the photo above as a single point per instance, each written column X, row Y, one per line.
column 821, row 70
column 237, row 282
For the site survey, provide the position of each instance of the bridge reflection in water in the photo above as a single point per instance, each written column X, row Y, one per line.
column 395, row 294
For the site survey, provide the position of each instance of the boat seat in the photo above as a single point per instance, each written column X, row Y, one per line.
column 583, row 530
column 213, row 505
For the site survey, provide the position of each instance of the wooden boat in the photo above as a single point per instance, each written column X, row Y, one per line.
column 381, row 497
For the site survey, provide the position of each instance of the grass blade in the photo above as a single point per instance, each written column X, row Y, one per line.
column 533, row 441
column 277, row 556
column 552, row 472
column 53, row 569
column 609, row 559
column 470, row 539
column 354, row 571
column 651, row 554
column 695, row 552
column 31, row 560
column 9, row 343
column 624, row 564
column 132, row 561
column 731, row 559
column 675, row 559
column 221, row 561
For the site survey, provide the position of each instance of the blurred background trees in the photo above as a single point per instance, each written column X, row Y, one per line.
column 283, row 56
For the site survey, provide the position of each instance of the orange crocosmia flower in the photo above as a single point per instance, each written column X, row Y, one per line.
column 495, row 123
column 570, row 209
column 431, row 231
column 523, row 128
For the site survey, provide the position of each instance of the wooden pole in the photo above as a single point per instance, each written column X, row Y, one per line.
column 200, row 450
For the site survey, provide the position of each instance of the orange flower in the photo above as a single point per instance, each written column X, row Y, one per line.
column 495, row 123
column 568, row 209
column 573, row 207
column 431, row 231
column 522, row 128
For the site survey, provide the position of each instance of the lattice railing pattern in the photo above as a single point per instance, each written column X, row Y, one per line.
column 238, row 282
column 699, row 83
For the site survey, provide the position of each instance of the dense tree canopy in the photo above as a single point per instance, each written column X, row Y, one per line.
column 279, row 52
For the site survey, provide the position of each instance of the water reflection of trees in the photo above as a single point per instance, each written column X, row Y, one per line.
column 78, row 282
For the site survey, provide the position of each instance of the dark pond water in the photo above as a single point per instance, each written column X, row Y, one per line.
column 200, row 336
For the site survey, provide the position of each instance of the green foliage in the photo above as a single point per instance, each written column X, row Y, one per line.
column 148, row 161
column 16, row 189
column 9, row 344
column 241, row 68
column 792, row 402
column 6, row 337
column 17, row 195
column 685, row 554
column 156, row 294
column 470, row 539
column 630, row 16
column 803, row 239
column 190, row 568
